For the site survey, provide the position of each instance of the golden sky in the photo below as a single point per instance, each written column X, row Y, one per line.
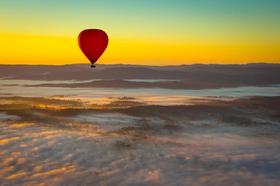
column 145, row 32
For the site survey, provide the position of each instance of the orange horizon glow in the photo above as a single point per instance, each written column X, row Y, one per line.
column 60, row 50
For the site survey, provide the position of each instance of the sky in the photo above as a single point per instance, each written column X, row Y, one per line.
column 155, row 32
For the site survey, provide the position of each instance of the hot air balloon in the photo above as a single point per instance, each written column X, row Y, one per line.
column 93, row 43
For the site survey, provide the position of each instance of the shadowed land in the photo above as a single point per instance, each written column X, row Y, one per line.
column 118, row 76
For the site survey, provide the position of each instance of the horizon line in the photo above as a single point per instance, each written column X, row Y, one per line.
column 124, row 64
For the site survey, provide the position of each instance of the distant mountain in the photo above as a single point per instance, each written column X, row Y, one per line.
column 190, row 75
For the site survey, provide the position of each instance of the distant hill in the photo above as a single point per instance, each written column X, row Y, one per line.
column 191, row 75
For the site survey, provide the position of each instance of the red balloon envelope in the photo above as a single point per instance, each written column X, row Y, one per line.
column 93, row 43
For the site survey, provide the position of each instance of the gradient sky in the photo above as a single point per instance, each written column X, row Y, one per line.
column 157, row 32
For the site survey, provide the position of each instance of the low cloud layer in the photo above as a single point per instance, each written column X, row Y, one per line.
column 67, row 142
